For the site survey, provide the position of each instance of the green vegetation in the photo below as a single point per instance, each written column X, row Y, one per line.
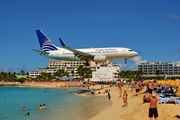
column 84, row 72
column 131, row 74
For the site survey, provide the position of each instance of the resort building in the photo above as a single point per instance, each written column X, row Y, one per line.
column 54, row 66
column 53, row 63
column 102, row 71
column 168, row 68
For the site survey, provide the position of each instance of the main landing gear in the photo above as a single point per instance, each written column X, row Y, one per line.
column 125, row 61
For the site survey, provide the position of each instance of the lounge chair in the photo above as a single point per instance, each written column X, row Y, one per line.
column 171, row 99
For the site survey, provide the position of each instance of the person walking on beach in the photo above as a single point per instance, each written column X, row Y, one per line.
column 153, row 107
column 125, row 95
column 120, row 89
column 109, row 97
column 132, row 85
column 137, row 89
column 150, row 88
column 155, row 86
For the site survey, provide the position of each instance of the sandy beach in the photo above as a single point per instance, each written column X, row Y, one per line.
column 135, row 110
column 44, row 84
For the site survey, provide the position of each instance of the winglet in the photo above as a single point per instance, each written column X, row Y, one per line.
column 62, row 43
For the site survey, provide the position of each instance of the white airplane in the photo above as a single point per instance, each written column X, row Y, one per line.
column 98, row 55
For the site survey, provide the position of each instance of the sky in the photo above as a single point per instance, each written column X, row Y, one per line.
column 149, row 27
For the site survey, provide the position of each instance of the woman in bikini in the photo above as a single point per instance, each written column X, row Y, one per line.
column 125, row 98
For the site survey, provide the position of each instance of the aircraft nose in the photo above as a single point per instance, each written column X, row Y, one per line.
column 135, row 53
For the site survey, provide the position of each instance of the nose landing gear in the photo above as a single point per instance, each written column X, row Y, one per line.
column 86, row 63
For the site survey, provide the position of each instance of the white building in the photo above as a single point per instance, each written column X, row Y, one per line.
column 52, row 70
column 106, row 72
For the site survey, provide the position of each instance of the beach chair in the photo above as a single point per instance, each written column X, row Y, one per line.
column 171, row 99
column 177, row 101
column 163, row 100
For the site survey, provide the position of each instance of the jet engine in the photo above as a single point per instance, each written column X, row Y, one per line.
column 99, row 58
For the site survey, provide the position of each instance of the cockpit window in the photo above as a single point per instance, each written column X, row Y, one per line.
column 130, row 50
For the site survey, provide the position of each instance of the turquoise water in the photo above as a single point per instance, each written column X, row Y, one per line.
column 60, row 106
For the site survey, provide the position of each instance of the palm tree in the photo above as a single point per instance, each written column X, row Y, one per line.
column 72, row 72
column 80, row 71
column 84, row 72
column 22, row 72
column 66, row 74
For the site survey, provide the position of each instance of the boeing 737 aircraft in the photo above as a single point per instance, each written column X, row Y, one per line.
column 98, row 55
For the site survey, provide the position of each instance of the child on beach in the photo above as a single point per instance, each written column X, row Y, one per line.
column 109, row 97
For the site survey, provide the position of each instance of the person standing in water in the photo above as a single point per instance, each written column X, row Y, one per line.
column 44, row 106
column 40, row 107
column 24, row 109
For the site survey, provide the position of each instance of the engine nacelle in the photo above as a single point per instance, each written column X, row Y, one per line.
column 99, row 58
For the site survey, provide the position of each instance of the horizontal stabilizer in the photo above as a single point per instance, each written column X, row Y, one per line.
column 41, row 52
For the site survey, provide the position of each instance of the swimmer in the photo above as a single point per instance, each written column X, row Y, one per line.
column 5, row 97
column 64, row 90
column 44, row 106
column 59, row 92
column 28, row 113
column 40, row 107
column 24, row 108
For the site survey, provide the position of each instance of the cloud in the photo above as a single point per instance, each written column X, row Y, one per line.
column 24, row 68
column 137, row 60
column 126, row 67
column 178, row 62
column 174, row 16
column 97, row 17
column 178, row 50
column 18, row 69
column 5, row 69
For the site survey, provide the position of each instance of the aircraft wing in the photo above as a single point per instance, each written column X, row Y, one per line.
column 81, row 55
column 39, row 51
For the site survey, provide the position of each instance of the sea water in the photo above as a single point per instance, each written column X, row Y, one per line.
column 60, row 106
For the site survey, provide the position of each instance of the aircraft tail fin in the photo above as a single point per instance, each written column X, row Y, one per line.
column 44, row 41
